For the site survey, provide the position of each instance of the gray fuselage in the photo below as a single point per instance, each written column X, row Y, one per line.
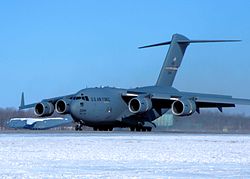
column 106, row 107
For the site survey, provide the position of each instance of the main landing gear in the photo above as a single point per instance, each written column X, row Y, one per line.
column 103, row 128
column 143, row 129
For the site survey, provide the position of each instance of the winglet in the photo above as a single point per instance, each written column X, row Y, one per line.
column 22, row 102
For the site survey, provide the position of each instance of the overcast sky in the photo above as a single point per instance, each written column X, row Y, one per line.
column 52, row 48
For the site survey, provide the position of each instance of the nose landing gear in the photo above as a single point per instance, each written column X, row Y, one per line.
column 78, row 126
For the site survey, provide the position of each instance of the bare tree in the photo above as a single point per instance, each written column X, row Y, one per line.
column 204, row 122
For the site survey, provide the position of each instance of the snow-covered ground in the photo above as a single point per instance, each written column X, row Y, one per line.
column 123, row 155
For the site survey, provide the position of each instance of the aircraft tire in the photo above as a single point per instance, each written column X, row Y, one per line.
column 77, row 127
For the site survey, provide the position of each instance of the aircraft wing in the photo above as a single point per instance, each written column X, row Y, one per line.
column 164, row 100
column 50, row 100
column 213, row 100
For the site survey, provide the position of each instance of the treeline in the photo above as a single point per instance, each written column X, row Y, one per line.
column 204, row 122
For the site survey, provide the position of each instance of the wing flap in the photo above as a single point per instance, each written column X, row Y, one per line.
column 226, row 101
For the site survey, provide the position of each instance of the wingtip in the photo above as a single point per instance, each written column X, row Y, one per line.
column 22, row 101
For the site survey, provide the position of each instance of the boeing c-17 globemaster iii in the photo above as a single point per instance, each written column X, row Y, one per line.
column 105, row 108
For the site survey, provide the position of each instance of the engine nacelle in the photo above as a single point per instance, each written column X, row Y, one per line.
column 184, row 107
column 63, row 106
column 44, row 109
column 139, row 105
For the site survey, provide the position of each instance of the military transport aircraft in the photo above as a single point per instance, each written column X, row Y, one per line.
column 105, row 108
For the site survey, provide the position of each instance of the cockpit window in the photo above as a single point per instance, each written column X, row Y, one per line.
column 84, row 98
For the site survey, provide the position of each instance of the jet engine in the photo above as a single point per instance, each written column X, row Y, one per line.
column 139, row 105
column 44, row 109
column 63, row 106
column 184, row 107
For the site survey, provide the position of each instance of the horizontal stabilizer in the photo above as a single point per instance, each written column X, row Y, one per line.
column 206, row 41
column 188, row 42
column 154, row 45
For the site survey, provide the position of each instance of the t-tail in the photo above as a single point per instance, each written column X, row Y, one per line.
column 176, row 51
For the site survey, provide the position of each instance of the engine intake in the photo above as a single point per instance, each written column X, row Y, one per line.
column 44, row 109
column 139, row 105
column 184, row 107
column 63, row 106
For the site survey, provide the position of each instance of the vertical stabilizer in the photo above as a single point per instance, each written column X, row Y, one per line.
column 172, row 61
